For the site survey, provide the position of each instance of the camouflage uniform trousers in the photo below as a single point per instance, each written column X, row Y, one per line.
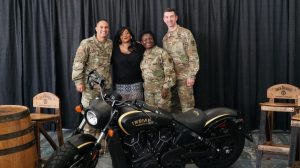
column 87, row 96
column 182, row 97
column 154, row 98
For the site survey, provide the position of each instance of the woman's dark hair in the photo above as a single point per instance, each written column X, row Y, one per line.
column 148, row 32
column 117, row 39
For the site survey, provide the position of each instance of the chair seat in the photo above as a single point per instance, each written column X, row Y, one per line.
column 296, row 117
column 277, row 104
column 43, row 117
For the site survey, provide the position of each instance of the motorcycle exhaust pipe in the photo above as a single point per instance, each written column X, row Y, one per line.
column 248, row 136
column 190, row 155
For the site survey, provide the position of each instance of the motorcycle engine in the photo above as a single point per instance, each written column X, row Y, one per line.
column 145, row 148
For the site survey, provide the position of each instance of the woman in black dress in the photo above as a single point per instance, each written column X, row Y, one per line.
column 126, row 58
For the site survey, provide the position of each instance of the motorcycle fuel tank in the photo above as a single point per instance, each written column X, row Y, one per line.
column 133, row 121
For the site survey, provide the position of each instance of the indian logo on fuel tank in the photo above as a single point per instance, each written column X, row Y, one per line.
column 142, row 121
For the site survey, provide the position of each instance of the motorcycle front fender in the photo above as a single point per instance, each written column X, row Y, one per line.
column 80, row 141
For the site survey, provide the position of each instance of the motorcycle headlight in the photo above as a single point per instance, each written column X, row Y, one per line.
column 98, row 114
column 91, row 117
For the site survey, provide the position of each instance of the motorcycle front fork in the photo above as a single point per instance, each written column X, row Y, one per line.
column 79, row 129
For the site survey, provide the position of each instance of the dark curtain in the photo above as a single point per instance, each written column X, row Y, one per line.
column 244, row 47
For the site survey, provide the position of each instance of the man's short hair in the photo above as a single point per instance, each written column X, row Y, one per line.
column 170, row 10
column 101, row 21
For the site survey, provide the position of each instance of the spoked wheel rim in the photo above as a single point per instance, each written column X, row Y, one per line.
column 228, row 148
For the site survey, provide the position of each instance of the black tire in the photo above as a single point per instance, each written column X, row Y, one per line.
column 231, row 146
column 66, row 155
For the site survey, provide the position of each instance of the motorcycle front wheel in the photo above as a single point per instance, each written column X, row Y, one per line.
column 68, row 156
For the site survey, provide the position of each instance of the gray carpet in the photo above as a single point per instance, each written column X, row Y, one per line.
column 246, row 160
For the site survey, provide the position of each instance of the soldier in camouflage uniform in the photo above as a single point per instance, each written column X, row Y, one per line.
column 94, row 53
column 158, row 73
column 181, row 46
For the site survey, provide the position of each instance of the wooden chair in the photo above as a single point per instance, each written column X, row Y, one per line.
column 282, row 98
column 295, row 135
column 42, row 102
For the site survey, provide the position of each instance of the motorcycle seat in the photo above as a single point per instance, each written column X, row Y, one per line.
column 194, row 119
column 215, row 113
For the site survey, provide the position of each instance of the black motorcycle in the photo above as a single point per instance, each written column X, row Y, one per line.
column 141, row 136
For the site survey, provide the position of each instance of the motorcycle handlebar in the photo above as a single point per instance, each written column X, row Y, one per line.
column 142, row 104
column 95, row 77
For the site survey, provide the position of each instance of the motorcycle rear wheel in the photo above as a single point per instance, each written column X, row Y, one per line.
column 232, row 147
column 69, row 156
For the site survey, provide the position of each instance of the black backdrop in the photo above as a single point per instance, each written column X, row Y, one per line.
column 245, row 46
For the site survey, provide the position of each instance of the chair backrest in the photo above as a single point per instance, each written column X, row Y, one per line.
column 284, row 91
column 46, row 100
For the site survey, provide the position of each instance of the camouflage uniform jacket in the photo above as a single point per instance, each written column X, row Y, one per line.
column 90, row 55
column 157, row 69
column 181, row 46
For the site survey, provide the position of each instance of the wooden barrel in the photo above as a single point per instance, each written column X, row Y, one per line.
column 17, row 140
